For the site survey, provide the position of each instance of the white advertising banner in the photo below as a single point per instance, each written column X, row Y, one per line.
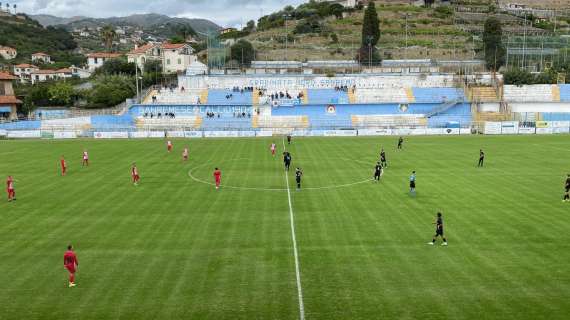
column 374, row 132
column 465, row 131
column 64, row 135
column 301, row 133
column 25, row 134
column 434, row 131
column 418, row 132
column 526, row 130
column 156, row 134
column 175, row 134
column 559, row 124
column 246, row 133
column 561, row 130
column 316, row 133
column 451, row 131
column 340, row 133
column 3, row 133
column 402, row 131
column 493, row 127
column 193, row 134
column 544, row 131
column 221, row 134
column 509, row 127
column 264, row 133
column 111, row 135
column 138, row 134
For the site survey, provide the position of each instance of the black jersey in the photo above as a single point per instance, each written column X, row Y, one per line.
column 378, row 169
column 383, row 155
column 298, row 175
column 482, row 155
column 439, row 223
column 568, row 183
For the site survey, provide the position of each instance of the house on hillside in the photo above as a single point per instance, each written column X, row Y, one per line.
column 8, row 102
column 51, row 75
column 8, row 53
column 227, row 30
column 177, row 57
column 141, row 54
column 97, row 59
column 24, row 72
column 41, row 57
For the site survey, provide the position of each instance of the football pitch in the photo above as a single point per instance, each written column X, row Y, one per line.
column 343, row 247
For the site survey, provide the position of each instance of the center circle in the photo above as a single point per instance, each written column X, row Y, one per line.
column 193, row 177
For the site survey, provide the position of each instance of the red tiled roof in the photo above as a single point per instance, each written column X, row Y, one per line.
column 173, row 45
column 40, row 54
column 143, row 49
column 7, row 76
column 7, row 48
column 25, row 65
column 104, row 55
column 45, row 72
column 9, row 100
column 64, row 70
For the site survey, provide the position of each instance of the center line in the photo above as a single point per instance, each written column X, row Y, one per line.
column 295, row 253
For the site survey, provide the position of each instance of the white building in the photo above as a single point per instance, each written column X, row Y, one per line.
column 97, row 59
column 24, row 72
column 140, row 55
column 177, row 57
column 47, row 75
column 8, row 53
column 41, row 57
column 344, row 3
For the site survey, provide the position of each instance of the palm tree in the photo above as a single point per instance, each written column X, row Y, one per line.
column 108, row 35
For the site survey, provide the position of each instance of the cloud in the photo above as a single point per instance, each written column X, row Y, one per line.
column 223, row 12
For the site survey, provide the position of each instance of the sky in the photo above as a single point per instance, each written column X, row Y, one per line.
column 227, row 13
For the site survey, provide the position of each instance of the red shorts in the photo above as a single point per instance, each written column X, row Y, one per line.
column 169, row 148
column 70, row 268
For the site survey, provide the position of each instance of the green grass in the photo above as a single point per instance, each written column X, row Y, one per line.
column 175, row 248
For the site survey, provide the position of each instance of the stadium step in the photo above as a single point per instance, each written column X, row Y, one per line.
column 483, row 94
column 148, row 98
column 410, row 95
column 381, row 121
column 555, row 93
column 255, row 122
column 305, row 96
column 351, row 96
column 283, row 122
column 204, row 97
column 255, row 97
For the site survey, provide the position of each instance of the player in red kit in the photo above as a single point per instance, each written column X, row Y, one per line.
column 10, row 188
column 273, row 148
column 169, row 146
column 63, row 165
column 70, row 263
column 85, row 159
column 135, row 174
column 218, row 177
column 185, row 154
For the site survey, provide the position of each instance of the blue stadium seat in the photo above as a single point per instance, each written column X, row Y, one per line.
column 437, row 95
column 218, row 97
column 320, row 96
column 21, row 125
column 564, row 92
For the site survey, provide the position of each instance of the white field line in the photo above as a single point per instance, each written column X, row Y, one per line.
column 295, row 252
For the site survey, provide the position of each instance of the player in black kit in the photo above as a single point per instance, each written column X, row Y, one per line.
column 567, row 189
column 438, row 230
column 298, row 175
column 288, row 139
column 287, row 160
column 400, row 143
column 383, row 158
column 481, row 158
column 377, row 172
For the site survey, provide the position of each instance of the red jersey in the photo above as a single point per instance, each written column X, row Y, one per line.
column 63, row 164
column 70, row 259
column 217, row 174
column 134, row 171
column 10, row 184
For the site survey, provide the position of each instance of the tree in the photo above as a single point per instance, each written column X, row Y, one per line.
column 109, row 91
column 493, row 41
column 117, row 66
column 61, row 93
column 250, row 26
column 370, row 36
column 243, row 52
column 184, row 31
column 108, row 35
column 336, row 10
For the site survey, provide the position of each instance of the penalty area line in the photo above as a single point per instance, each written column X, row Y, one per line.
column 295, row 251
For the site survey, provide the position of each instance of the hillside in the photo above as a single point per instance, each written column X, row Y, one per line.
column 432, row 33
column 145, row 21
column 27, row 36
